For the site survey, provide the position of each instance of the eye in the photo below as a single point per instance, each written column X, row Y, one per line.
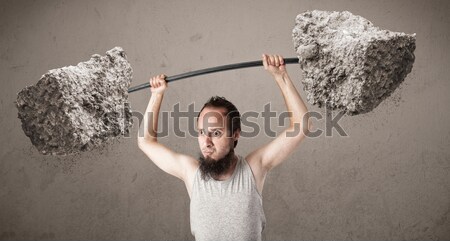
column 200, row 131
column 217, row 133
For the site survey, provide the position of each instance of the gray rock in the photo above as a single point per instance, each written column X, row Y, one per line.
column 347, row 62
column 78, row 108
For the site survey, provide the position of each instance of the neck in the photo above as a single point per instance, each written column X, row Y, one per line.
column 229, row 172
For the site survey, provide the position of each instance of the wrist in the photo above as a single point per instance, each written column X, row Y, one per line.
column 156, row 97
column 158, row 94
column 281, row 78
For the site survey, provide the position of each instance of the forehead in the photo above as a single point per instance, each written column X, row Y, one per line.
column 212, row 117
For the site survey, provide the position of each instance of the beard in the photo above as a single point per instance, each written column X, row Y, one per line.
column 210, row 167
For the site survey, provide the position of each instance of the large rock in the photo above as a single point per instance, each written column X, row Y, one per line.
column 78, row 108
column 347, row 62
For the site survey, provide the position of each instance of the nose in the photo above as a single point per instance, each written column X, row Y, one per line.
column 208, row 141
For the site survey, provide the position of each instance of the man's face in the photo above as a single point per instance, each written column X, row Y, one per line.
column 214, row 137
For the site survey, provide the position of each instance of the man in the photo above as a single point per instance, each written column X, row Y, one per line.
column 225, row 188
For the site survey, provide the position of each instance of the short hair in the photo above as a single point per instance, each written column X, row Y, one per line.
column 232, row 113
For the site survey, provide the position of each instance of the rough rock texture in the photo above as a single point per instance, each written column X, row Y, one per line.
column 347, row 62
column 77, row 108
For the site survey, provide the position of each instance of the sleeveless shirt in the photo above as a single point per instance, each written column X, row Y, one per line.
column 227, row 210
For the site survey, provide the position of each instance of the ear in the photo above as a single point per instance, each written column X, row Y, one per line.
column 236, row 134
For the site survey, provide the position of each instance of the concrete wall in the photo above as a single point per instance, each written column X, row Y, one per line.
column 387, row 179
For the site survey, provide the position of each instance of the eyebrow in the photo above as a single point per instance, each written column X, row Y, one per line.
column 213, row 129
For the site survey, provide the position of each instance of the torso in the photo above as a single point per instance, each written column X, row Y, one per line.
column 229, row 209
column 258, row 174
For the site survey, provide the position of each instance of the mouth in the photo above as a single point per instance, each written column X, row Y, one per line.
column 207, row 152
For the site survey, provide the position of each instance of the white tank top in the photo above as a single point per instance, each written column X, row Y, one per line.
column 227, row 210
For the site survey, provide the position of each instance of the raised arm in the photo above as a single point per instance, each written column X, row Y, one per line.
column 272, row 154
column 178, row 165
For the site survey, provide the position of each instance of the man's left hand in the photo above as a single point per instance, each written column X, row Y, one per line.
column 274, row 64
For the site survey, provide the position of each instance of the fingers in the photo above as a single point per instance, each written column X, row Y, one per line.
column 274, row 60
column 266, row 65
column 158, row 80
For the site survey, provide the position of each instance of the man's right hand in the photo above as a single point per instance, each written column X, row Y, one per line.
column 158, row 84
column 179, row 165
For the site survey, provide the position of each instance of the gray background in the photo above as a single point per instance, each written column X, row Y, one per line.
column 388, row 179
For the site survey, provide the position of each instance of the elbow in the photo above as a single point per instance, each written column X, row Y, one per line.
column 299, row 130
column 143, row 142
column 301, row 126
